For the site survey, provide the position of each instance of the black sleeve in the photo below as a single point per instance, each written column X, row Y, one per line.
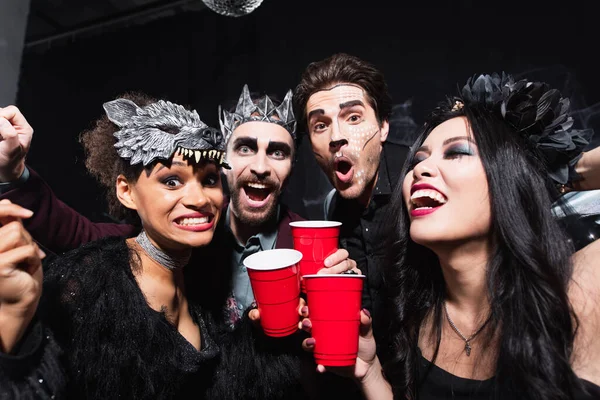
column 33, row 369
column 587, row 391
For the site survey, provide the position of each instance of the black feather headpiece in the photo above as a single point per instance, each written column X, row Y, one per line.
column 536, row 111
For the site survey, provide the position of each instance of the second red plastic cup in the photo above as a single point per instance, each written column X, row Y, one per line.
column 334, row 303
column 275, row 279
column 316, row 240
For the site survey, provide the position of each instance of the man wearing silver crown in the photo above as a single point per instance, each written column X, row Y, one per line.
column 260, row 139
column 260, row 149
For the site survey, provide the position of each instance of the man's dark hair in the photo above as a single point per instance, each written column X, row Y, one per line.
column 343, row 68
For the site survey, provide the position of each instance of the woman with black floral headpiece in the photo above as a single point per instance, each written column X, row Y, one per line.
column 485, row 300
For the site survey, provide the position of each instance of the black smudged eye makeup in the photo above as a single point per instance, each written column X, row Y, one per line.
column 459, row 150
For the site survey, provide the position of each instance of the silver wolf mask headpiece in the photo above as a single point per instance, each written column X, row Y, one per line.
column 263, row 110
column 159, row 130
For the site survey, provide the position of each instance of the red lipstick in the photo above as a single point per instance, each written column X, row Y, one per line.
column 422, row 211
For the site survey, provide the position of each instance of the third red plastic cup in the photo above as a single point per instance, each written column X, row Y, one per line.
column 334, row 303
column 274, row 276
column 316, row 240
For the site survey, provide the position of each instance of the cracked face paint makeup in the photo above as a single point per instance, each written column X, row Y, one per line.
column 346, row 138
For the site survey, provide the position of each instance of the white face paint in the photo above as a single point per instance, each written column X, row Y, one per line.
column 346, row 138
column 260, row 155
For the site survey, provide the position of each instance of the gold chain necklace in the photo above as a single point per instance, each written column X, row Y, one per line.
column 459, row 333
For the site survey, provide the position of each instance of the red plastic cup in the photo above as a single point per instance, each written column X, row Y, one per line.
column 334, row 303
column 274, row 276
column 316, row 240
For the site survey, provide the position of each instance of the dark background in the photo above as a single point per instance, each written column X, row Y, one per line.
column 202, row 59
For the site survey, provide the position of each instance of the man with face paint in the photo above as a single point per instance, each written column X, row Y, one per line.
column 344, row 105
column 260, row 148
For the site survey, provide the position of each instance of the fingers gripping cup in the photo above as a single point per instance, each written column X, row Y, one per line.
column 316, row 240
column 334, row 302
column 274, row 276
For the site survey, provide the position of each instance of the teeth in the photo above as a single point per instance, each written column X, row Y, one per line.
column 198, row 154
column 257, row 185
column 432, row 194
column 193, row 221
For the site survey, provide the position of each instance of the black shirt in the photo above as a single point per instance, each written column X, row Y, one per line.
column 438, row 384
column 365, row 229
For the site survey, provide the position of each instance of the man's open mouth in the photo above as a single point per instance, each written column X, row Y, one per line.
column 344, row 170
column 257, row 194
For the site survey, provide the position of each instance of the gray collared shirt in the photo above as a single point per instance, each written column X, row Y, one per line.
column 242, row 290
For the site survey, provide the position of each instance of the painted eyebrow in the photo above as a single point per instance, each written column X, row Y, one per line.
column 246, row 141
column 317, row 111
column 282, row 146
column 447, row 141
column 351, row 103
column 343, row 106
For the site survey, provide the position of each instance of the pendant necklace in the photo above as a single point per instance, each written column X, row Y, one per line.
column 459, row 333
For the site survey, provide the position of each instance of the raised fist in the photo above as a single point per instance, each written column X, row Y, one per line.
column 15, row 139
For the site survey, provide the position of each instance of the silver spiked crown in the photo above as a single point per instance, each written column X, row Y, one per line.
column 262, row 110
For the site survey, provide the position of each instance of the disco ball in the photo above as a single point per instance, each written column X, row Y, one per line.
column 233, row 8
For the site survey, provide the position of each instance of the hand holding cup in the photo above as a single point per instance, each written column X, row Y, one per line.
column 335, row 313
column 254, row 314
column 366, row 355
column 338, row 263
column 274, row 276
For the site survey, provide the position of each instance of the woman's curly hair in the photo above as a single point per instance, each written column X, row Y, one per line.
column 103, row 162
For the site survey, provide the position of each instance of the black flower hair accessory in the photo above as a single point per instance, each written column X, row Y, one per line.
column 540, row 113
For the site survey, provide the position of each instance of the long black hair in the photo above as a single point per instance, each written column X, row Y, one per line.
column 527, row 273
